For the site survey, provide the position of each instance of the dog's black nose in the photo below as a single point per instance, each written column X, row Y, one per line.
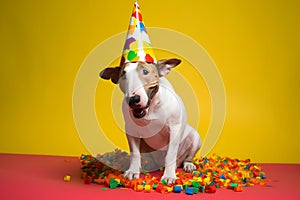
column 135, row 99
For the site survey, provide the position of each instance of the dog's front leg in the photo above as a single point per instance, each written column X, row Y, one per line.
column 135, row 158
column 171, row 157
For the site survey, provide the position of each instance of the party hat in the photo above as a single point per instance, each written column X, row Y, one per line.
column 137, row 46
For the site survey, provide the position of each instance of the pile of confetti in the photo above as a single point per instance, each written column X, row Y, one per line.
column 211, row 173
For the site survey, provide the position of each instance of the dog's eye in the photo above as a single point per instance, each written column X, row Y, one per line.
column 145, row 72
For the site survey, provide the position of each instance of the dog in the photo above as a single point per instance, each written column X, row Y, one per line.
column 155, row 118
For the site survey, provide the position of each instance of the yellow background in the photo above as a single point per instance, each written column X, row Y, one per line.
column 255, row 45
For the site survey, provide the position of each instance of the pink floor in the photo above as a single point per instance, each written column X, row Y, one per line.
column 41, row 177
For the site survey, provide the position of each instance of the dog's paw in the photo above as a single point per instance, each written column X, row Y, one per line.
column 189, row 167
column 131, row 175
column 169, row 180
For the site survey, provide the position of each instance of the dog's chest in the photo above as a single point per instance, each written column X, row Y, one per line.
column 155, row 134
column 146, row 128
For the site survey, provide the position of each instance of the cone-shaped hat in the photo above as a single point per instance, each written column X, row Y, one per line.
column 137, row 46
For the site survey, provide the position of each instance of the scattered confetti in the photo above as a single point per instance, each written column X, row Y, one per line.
column 211, row 173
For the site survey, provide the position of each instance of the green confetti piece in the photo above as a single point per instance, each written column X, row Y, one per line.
column 196, row 184
column 164, row 182
column 233, row 185
column 154, row 186
column 196, row 190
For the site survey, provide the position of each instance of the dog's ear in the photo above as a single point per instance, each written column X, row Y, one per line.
column 164, row 66
column 111, row 73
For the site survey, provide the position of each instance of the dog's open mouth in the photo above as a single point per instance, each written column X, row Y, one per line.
column 139, row 112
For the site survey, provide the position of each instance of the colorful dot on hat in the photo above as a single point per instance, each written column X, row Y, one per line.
column 148, row 58
column 129, row 41
column 131, row 55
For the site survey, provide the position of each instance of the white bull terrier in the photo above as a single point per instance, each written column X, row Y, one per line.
column 155, row 118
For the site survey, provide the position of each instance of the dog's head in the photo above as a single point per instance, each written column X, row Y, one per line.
column 139, row 81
